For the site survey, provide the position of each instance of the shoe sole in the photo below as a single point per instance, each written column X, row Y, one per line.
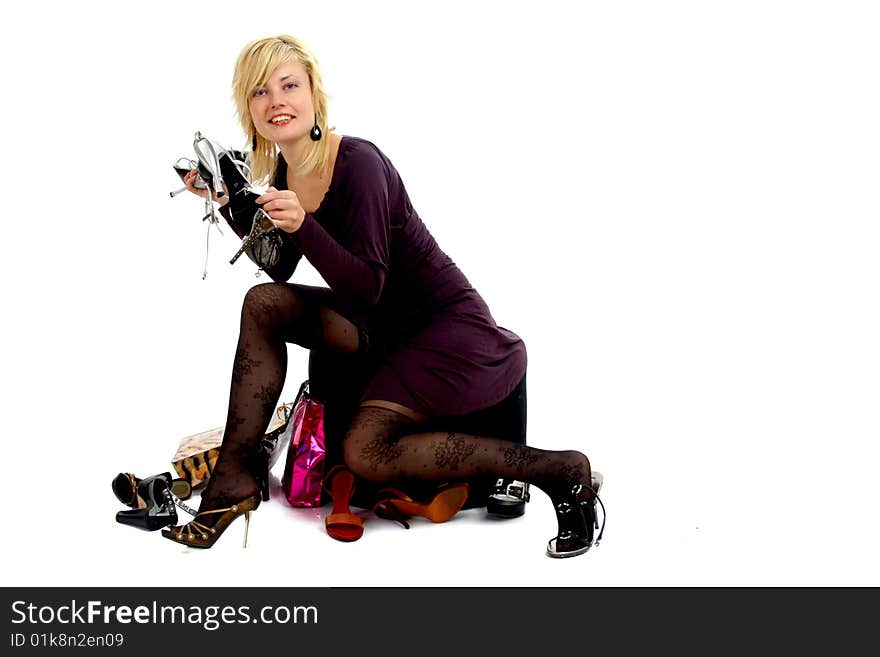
column 181, row 489
column 564, row 555
column 505, row 509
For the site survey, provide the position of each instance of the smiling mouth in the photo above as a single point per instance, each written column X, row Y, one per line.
column 281, row 119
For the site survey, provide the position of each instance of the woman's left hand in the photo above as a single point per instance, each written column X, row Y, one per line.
column 283, row 208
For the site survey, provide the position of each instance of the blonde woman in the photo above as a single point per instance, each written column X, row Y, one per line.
column 394, row 297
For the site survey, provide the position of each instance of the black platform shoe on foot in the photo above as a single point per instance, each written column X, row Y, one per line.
column 577, row 518
column 158, row 511
column 508, row 498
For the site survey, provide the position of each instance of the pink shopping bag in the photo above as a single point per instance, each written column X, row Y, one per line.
column 304, row 470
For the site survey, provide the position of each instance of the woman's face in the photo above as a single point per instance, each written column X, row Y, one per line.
column 282, row 109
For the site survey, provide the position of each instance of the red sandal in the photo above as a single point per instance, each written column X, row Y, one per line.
column 341, row 523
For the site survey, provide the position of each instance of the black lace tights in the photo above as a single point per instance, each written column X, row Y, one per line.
column 381, row 445
column 272, row 315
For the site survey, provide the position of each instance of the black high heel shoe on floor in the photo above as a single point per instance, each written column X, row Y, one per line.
column 158, row 510
column 508, row 498
column 577, row 518
column 125, row 487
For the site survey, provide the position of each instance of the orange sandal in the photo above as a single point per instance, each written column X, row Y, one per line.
column 341, row 523
column 399, row 506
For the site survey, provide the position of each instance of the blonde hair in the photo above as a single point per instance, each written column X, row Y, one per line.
column 255, row 64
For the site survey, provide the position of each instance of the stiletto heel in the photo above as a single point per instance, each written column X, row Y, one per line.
column 247, row 524
column 577, row 519
column 596, row 481
column 270, row 450
column 197, row 534
column 263, row 477
column 387, row 511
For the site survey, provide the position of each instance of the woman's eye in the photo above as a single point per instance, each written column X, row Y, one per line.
column 259, row 92
column 290, row 85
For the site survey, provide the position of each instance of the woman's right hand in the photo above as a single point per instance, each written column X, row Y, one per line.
column 190, row 180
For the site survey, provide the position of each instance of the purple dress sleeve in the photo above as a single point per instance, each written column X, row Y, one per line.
column 356, row 265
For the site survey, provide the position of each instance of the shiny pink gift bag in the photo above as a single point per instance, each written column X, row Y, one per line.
column 304, row 471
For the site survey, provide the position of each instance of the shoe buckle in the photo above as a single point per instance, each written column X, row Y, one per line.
column 514, row 491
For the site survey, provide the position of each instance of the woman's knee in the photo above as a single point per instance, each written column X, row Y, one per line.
column 270, row 304
column 370, row 446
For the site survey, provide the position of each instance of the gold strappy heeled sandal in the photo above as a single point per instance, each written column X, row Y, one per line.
column 196, row 534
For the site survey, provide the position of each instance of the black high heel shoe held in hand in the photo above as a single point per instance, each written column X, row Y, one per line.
column 577, row 518
column 158, row 510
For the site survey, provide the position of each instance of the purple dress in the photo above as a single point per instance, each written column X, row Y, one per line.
column 442, row 352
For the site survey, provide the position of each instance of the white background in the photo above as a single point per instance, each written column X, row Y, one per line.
column 675, row 205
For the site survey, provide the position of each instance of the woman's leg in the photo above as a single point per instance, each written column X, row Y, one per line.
column 384, row 445
column 272, row 315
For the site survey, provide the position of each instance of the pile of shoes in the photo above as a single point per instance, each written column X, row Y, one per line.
column 151, row 501
column 508, row 499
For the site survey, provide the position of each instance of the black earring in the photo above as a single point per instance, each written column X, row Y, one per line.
column 315, row 134
column 254, row 143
